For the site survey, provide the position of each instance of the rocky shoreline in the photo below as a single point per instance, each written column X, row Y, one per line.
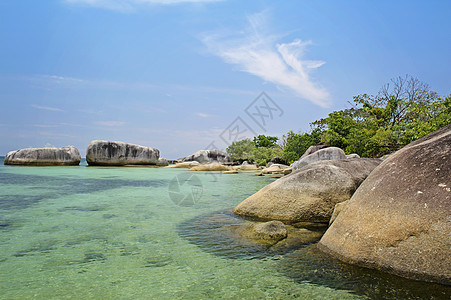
column 393, row 215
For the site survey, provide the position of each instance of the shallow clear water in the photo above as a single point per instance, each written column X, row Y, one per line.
column 93, row 232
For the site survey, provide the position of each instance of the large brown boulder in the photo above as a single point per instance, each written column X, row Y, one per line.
column 399, row 219
column 308, row 194
column 66, row 156
column 107, row 153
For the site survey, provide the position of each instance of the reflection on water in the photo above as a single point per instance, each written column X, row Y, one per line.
column 311, row 265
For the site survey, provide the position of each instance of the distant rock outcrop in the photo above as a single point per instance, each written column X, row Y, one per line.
column 274, row 169
column 107, row 153
column 66, row 156
column 245, row 166
column 329, row 153
column 210, row 167
column 308, row 194
column 208, row 156
column 276, row 160
column 162, row 162
column 184, row 165
column 399, row 219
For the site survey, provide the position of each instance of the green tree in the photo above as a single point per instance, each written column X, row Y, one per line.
column 265, row 141
column 295, row 144
column 241, row 150
column 403, row 111
column 262, row 155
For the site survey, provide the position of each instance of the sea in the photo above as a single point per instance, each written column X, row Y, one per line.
column 157, row 233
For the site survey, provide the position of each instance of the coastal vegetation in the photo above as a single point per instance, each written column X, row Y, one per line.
column 259, row 150
column 404, row 110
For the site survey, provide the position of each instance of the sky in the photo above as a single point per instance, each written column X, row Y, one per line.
column 185, row 75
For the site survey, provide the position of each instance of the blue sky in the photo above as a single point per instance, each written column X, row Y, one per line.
column 175, row 74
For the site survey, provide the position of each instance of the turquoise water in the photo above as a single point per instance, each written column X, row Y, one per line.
column 130, row 233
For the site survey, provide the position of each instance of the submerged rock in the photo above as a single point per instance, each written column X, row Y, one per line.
column 227, row 235
column 308, row 194
column 273, row 230
column 330, row 153
column 66, row 156
column 230, row 172
column 399, row 219
column 107, row 153
column 208, row 156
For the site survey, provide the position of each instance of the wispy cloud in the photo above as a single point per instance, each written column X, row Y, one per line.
column 60, row 79
column 203, row 115
column 110, row 123
column 46, row 108
column 130, row 5
column 257, row 52
column 54, row 82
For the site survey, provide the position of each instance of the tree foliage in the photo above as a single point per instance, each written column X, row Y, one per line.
column 404, row 110
column 265, row 141
column 247, row 150
column 295, row 144
column 241, row 150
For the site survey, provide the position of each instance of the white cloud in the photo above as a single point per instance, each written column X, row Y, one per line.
column 258, row 53
column 46, row 108
column 110, row 123
column 203, row 115
column 130, row 5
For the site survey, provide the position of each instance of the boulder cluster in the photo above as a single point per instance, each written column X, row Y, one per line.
column 99, row 153
column 393, row 215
